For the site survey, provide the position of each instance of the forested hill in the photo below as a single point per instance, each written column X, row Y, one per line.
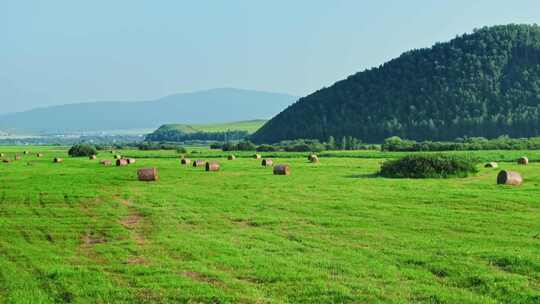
column 482, row 84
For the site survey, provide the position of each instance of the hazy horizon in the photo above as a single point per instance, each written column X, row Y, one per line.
column 64, row 52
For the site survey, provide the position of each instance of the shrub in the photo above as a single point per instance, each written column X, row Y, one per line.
column 82, row 150
column 429, row 166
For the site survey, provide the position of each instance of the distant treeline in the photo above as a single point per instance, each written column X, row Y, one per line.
column 299, row 145
column 171, row 135
column 462, row 144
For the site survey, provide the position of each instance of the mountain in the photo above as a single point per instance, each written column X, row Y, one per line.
column 204, row 107
column 486, row 83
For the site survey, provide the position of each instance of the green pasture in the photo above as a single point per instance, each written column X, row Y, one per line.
column 332, row 232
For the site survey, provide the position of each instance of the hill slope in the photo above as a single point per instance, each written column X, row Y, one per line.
column 219, row 105
column 482, row 84
column 221, row 132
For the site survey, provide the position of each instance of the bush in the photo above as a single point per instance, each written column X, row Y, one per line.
column 82, row 150
column 429, row 166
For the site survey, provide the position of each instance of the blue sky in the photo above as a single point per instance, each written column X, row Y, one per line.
column 64, row 51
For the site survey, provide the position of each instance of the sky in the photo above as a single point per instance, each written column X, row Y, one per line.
column 63, row 51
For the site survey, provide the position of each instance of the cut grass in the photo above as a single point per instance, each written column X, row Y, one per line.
column 329, row 233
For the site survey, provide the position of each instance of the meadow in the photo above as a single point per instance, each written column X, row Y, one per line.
column 332, row 232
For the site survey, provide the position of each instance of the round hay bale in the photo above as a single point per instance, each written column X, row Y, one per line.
column 491, row 165
column 199, row 163
column 39, row 155
column 58, row 160
column 26, row 152
column 231, row 157
column 121, row 162
column 92, row 157
column 257, row 156
column 7, row 161
column 212, row 166
column 148, row 174
column 282, row 170
column 310, row 156
column 2, row 155
column 106, row 162
column 267, row 162
column 117, row 156
column 523, row 160
column 185, row 161
column 131, row 160
column 313, row 158
column 509, row 178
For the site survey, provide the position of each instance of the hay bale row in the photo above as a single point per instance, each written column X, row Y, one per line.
column 212, row 166
column 511, row 178
column 122, row 162
column 282, row 170
column 106, row 162
column 148, row 174
column 199, row 163
column 491, row 165
column 523, row 160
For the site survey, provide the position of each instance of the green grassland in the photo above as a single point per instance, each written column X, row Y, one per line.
column 249, row 125
column 332, row 232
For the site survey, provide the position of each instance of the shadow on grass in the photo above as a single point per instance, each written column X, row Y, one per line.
column 366, row 175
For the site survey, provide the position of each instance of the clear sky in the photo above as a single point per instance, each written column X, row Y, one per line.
column 64, row 51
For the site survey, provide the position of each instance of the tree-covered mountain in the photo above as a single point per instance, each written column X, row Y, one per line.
column 482, row 84
column 203, row 107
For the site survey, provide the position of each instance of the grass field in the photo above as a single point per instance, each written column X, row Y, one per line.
column 331, row 232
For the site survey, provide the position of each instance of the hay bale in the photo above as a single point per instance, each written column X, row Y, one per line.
column 199, row 163
column 313, row 158
column 39, row 155
column 212, row 166
column 26, row 152
column 7, row 161
column 106, row 162
column 121, row 162
column 231, row 157
column 185, row 161
column 92, row 157
column 58, row 160
column 282, row 170
column 491, row 165
column 267, row 162
column 2, row 155
column 148, row 174
column 257, row 156
column 117, row 156
column 523, row 160
column 131, row 160
column 509, row 178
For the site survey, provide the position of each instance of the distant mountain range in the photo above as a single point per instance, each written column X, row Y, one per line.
column 203, row 107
